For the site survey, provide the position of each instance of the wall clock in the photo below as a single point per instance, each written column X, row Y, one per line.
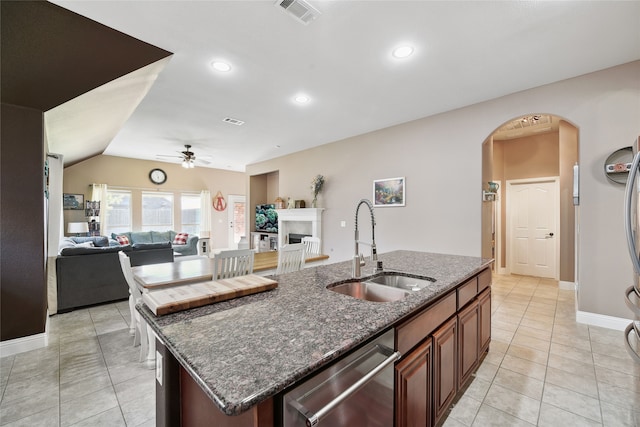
column 158, row 176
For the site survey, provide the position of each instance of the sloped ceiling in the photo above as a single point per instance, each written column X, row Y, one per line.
column 52, row 56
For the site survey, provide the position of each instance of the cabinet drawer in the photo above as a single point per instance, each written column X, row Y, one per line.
column 467, row 292
column 484, row 280
column 413, row 331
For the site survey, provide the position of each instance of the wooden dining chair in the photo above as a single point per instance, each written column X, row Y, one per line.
column 227, row 264
column 291, row 258
column 142, row 335
column 312, row 245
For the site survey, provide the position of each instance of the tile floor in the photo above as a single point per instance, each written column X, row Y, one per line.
column 89, row 375
column 542, row 369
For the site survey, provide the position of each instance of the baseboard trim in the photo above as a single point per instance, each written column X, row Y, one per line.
column 566, row 286
column 20, row 345
column 602, row 320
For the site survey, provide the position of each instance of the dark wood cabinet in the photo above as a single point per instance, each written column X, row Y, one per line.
column 442, row 347
column 413, row 387
column 484, row 320
column 467, row 342
column 445, row 349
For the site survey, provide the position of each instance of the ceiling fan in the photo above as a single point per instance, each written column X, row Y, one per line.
column 188, row 157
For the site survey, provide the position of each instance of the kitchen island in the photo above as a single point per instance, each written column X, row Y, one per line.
column 236, row 356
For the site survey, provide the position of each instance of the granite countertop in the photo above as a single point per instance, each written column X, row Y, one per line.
column 245, row 350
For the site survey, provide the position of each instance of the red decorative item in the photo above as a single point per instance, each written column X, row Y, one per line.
column 123, row 240
column 181, row 239
column 219, row 203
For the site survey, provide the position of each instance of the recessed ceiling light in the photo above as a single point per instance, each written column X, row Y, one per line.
column 302, row 99
column 402, row 52
column 220, row 66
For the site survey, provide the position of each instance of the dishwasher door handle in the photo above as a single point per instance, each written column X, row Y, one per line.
column 312, row 419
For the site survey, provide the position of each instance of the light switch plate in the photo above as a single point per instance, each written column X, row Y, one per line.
column 343, row 224
column 158, row 367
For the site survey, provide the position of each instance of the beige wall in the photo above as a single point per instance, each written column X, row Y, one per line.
column 134, row 174
column 568, row 151
column 531, row 157
column 441, row 158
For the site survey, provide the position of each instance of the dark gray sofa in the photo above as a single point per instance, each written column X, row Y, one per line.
column 92, row 275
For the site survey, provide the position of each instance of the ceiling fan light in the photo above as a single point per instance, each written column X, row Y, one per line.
column 185, row 164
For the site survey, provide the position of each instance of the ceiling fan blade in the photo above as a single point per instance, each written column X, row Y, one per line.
column 173, row 157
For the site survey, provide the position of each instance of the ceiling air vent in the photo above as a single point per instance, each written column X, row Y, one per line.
column 233, row 121
column 299, row 9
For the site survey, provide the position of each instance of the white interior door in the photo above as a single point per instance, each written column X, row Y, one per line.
column 237, row 220
column 533, row 215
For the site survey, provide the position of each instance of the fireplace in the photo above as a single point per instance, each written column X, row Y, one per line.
column 298, row 223
column 297, row 238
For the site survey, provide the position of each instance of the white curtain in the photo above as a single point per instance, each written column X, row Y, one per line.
column 55, row 226
column 99, row 194
column 205, row 213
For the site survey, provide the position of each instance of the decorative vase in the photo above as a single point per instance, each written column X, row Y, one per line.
column 314, row 202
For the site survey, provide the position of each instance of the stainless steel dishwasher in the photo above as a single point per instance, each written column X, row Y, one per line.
column 356, row 391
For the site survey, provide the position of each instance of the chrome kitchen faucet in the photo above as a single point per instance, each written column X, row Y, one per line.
column 358, row 259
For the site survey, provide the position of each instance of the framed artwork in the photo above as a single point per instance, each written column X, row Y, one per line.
column 73, row 201
column 389, row 192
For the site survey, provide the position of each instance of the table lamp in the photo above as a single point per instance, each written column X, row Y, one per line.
column 78, row 228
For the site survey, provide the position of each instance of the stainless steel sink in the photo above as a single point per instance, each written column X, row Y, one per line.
column 369, row 291
column 384, row 288
column 403, row 282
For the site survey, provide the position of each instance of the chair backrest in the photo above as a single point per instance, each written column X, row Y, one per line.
column 312, row 245
column 125, row 264
column 291, row 258
column 227, row 264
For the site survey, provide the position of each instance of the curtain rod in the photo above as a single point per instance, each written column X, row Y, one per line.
column 166, row 190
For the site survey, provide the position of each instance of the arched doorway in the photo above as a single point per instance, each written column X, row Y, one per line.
column 529, row 148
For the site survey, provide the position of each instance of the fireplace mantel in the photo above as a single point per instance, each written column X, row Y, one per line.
column 304, row 221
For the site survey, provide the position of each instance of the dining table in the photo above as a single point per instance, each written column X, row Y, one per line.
column 200, row 269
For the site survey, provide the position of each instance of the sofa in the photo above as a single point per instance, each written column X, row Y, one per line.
column 177, row 240
column 88, row 270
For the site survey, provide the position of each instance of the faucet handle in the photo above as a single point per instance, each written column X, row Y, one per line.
column 361, row 260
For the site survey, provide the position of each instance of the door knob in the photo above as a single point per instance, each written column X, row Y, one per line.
column 549, row 235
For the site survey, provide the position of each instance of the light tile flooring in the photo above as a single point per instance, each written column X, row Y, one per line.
column 542, row 369
column 89, row 375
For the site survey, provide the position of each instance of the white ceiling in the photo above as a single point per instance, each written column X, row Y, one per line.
column 465, row 53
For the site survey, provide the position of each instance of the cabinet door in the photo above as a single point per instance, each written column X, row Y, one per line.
column 484, row 310
column 445, row 348
column 467, row 342
column 413, row 388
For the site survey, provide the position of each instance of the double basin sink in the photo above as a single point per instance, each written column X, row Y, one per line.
column 385, row 287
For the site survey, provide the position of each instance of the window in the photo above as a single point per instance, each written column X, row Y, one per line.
column 190, row 213
column 157, row 211
column 118, row 218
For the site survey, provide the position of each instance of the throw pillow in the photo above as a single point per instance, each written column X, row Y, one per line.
column 123, row 240
column 181, row 239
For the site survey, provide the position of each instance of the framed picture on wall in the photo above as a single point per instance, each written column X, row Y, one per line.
column 73, row 201
column 389, row 192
